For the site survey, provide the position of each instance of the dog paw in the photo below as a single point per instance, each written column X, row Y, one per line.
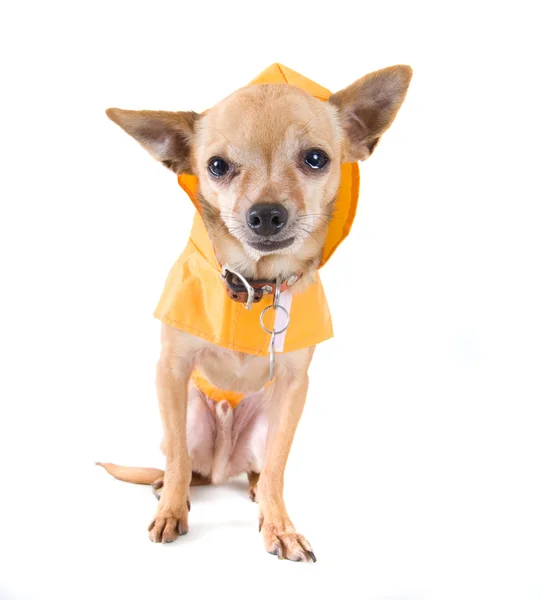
column 168, row 525
column 157, row 487
column 166, row 529
column 286, row 543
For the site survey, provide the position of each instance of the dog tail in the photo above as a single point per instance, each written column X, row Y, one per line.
column 141, row 475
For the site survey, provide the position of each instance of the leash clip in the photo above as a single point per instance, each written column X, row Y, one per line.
column 273, row 333
column 249, row 289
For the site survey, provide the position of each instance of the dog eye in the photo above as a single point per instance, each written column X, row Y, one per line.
column 218, row 167
column 316, row 159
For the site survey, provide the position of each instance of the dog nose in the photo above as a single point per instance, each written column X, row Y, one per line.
column 266, row 219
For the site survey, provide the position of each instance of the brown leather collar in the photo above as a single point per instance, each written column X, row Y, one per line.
column 237, row 290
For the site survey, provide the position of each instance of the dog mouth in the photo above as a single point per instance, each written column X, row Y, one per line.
column 270, row 245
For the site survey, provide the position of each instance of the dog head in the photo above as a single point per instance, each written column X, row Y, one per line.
column 268, row 159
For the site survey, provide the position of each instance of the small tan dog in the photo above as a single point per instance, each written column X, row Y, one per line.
column 268, row 161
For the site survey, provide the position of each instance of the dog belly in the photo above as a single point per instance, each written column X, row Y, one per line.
column 223, row 441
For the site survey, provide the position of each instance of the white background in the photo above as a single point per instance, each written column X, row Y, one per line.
column 416, row 469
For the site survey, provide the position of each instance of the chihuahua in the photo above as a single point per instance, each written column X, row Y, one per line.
column 268, row 165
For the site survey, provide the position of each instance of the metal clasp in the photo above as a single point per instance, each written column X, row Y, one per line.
column 273, row 333
column 227, row 269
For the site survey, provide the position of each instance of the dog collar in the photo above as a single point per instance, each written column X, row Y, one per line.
column 249, row 291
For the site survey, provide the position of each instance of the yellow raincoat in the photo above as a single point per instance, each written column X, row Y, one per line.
column 194, row 297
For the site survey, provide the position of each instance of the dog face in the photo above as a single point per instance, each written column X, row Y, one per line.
column 268, row 162
column 268, row 159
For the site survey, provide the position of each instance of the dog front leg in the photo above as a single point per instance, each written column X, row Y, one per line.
column 285, row 410
column 172, row 377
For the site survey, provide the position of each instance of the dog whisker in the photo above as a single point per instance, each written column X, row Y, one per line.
column 310, row 233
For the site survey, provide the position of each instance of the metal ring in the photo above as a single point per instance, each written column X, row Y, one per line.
column 275, row 308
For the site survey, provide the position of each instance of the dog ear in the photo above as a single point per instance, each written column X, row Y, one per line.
column 368, row 107
column 167, row 136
